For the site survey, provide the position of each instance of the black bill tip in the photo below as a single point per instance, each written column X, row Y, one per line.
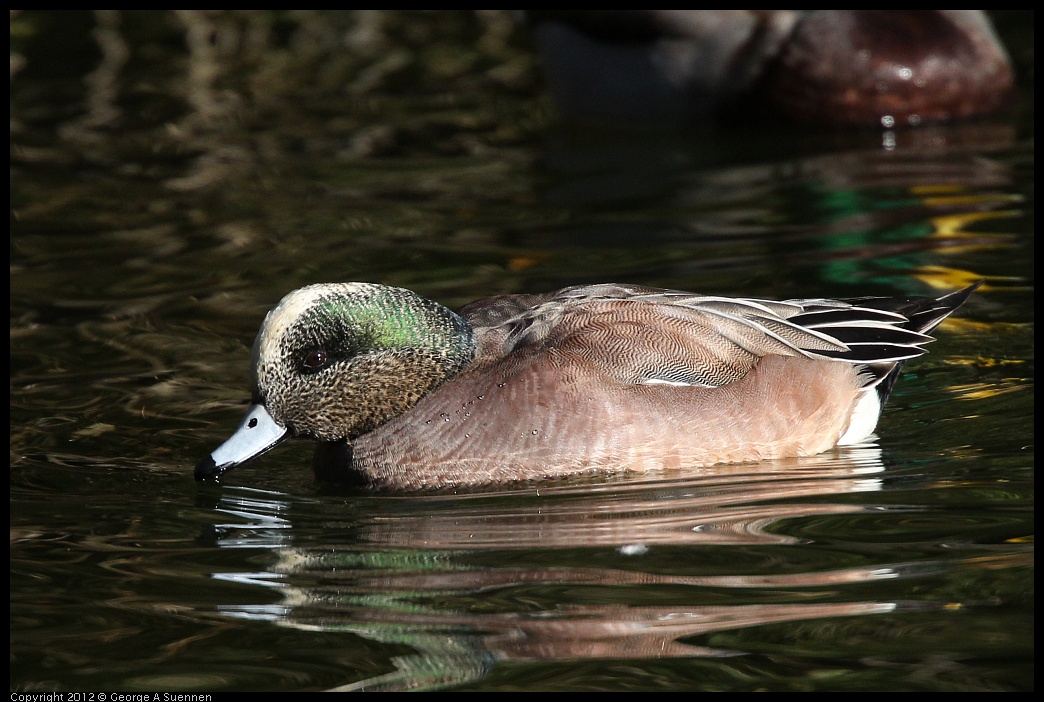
column 207, row 470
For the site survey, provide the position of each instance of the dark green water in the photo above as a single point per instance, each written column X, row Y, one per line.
column 164, row 198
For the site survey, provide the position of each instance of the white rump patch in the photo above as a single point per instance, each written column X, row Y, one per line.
column 863, row 420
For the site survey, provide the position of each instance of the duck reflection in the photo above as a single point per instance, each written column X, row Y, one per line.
column 567, row 572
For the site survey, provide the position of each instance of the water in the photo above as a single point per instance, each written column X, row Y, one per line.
column 147, row 247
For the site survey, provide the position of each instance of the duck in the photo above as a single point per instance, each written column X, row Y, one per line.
column 836, row 68
column 401, row 393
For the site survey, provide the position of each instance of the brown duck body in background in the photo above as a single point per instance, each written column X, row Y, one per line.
column 887, row 68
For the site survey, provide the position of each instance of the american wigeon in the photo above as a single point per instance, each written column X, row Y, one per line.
column 402, row 393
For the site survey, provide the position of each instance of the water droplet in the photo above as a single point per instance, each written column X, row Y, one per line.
column 887, row 121
column 633, row 549
column 904, row 73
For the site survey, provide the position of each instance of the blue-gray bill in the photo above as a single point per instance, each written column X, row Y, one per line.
column 257, row 433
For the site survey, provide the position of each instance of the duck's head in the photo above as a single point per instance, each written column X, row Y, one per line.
column 334, row 361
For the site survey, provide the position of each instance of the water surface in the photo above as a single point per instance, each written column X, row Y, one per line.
column 163, row 198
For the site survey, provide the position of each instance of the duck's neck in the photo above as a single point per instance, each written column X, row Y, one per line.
column 427, row 325
column 421, row 346
column 332, row 463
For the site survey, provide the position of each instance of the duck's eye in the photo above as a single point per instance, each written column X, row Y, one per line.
column 315, row 359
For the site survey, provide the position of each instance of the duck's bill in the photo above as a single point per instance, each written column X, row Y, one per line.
column 257, row 433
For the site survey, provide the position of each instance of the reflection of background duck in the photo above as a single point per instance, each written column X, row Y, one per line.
column 839, row 67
